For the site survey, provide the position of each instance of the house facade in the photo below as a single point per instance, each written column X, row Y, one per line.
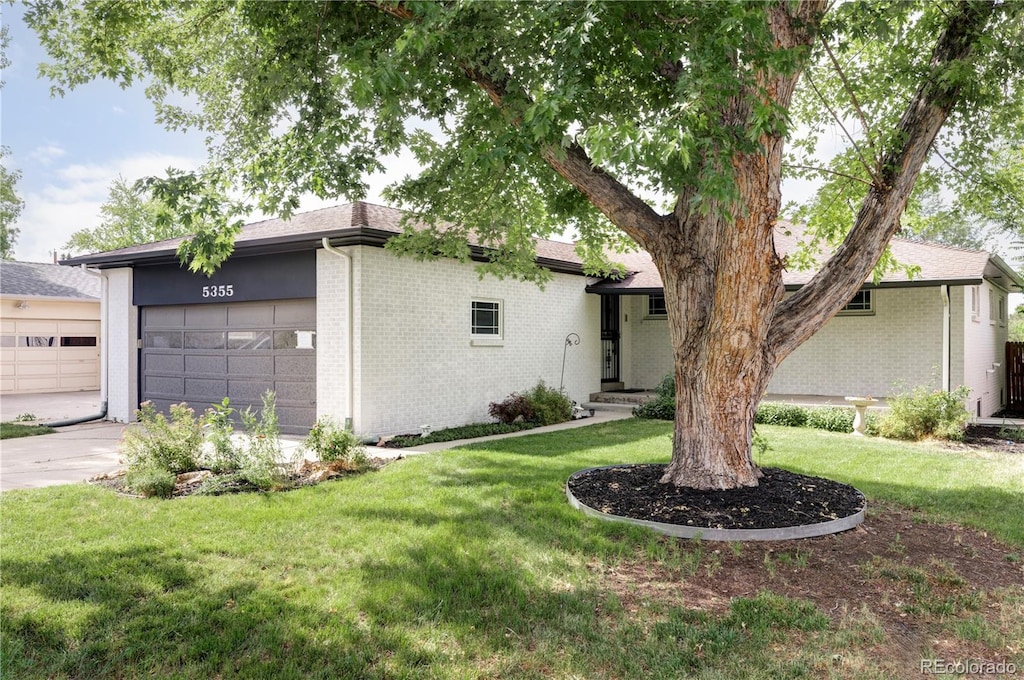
column 943, row 327
column 319, row 311
column 49, row 328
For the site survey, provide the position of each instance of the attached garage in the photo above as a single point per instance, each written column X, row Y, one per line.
column 249, row 328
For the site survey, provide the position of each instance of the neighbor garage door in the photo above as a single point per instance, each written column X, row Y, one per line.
column 201, row 353
column 49, row 355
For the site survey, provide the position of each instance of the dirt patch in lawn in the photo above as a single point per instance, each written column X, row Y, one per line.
column 897, row 588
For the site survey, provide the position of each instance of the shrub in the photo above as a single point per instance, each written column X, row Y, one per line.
column 260, row 459
column 788, row 415
column 663, row 406
column 162, row 444
column 515, row 407
column 223, row 455
column 549, row 405
column 336, row 445
column 150, row 481
column 831, row 418
column 926, row 413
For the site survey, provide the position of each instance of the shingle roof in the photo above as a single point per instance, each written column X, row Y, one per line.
column 32, row 279
column 937, row 263
column 309, row 227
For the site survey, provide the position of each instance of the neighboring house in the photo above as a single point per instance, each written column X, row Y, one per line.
column 945, row 327
column 317, row 310
column 49, row 328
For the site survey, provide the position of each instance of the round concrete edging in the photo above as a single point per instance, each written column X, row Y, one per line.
column 709, row 534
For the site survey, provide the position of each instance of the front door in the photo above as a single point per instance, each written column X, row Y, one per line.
column 609, row 338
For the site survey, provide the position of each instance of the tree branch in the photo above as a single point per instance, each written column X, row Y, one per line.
column 856, row 106
column 839, row 122
column 827, row 172
column 806, row 311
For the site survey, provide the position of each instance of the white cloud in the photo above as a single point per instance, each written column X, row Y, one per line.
column 72, row 200
column 46, row 154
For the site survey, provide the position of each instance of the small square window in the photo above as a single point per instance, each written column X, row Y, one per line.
column 656, row 305
column 860, row 304
column 485, row 319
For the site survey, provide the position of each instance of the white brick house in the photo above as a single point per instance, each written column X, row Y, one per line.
column 945, row 327
column 317, row 310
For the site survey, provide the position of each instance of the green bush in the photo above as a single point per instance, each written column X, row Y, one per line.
column 162, row 444
column 663, row 406
column 150, row 481
column 336, row 445
column 261, row 458
column 788, row 415
column 924, row 412
column 831, row 418
column 223, row 454
column 549, row 405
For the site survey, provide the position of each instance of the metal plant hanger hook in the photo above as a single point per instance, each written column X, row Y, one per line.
column 571, row 339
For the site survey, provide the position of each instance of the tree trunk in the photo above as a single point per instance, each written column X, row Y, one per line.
column 721, row 281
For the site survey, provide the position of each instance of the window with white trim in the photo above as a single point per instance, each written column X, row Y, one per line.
column 485, row 320
column 975, row 303
column 656, row 306
column 862, row 303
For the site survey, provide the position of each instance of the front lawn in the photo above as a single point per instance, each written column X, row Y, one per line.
column 470, row 563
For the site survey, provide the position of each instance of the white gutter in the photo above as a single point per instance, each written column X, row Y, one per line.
column 351, row 328
column 944, row 292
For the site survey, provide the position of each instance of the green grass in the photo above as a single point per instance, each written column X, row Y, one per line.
column 15, row 430
column 461, row 564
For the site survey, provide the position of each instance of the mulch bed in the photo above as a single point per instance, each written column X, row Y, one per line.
column 782, row 499
column 990, row 438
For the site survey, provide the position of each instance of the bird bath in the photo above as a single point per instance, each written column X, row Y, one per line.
column 860, row 419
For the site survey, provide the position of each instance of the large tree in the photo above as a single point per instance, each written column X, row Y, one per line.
column 663, row 122
column 130, row 217
column 10, row 203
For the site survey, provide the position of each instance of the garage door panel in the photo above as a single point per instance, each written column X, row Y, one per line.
column 206, row 316
column 295, row 366
column 250, row 365
column 164, row 363
column 250, row 316
column 35, row 369
column 303, row 392
column 79, row 368
column 165, row 317
column 205, row 389
column 38, row 384
column 77, row 382
column 303, row 314
column 205, row 364
column 163, row 385
column 292, row 414
column 248, row 391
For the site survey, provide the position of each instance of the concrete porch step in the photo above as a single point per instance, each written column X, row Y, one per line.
column 622, row 397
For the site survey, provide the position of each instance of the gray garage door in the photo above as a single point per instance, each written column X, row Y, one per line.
column 201, row 353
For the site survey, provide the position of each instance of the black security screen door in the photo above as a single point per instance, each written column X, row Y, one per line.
column 609, row 338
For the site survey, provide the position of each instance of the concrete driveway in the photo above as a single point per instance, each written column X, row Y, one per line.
column 72, row 454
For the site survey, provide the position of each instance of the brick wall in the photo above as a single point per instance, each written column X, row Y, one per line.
column 123, row 353
column 416, row 363
column 650, row 349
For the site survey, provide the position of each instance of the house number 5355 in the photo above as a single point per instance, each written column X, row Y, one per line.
column 218, row 291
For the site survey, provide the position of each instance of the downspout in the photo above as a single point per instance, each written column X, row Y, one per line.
column 105, row 344
column 946, row 353
column 351, row 328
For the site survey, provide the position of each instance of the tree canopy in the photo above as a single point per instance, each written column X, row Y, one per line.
column 668, row 124
column 130, row 217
